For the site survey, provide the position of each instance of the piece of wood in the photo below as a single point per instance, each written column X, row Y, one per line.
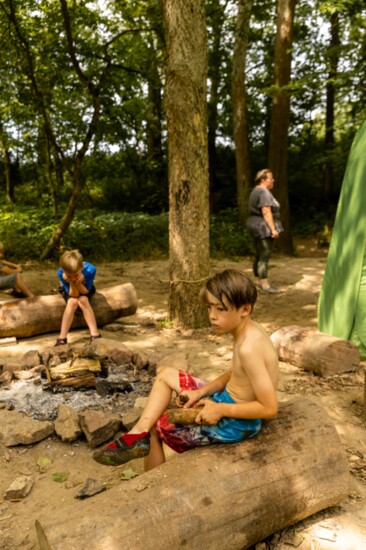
column 75, row 367
column 76, row 382
column 43, row 314
column 219, row 496
column 185, row 417
column 315, row 351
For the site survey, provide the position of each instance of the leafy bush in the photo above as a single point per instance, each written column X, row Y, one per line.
column 228, row 237
column 109, row 236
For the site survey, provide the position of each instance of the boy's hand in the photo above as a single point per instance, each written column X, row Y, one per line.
column 187, row 398
column 210, row 414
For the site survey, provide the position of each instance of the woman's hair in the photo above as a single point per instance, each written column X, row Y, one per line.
column 262, row 175
column 71, row 261
column 232, row 285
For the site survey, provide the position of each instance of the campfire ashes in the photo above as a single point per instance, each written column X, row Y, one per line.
column 103, row 376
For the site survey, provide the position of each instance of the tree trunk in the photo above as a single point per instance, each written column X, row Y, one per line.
column 216, row 19
column 221, row 496
column 10, row 197
column 280, row 117
column 240, row 121
column 314, row 351
column 185, row 97
column 43, row 314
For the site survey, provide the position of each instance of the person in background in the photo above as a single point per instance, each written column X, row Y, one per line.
column 76, row 287
column 10, row 277
column 264, row 226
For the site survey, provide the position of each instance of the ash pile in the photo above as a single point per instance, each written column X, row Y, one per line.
column 104, row 376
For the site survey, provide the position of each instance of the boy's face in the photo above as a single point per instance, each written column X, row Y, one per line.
column 224, row 318
column 73, row 277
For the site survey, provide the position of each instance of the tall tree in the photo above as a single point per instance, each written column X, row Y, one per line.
column 280, row 115
column 185, row 102
column 216, row 17
column 240, row 115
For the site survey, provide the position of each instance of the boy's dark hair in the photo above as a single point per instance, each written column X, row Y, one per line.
column 235, row 286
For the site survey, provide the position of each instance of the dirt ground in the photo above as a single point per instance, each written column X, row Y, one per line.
column 341, row 528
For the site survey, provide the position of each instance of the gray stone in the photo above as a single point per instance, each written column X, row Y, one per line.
column 31, row 359
column 19, row 429
column 20, row 488
column 121, row 355
column 98, row 426
column 131, row 417
column 67, row 425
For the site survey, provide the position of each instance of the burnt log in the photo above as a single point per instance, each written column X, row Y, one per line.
column 315, row 351
column 218, row 496
column 43, row 314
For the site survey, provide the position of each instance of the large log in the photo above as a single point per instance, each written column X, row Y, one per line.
column 315, row 351
column 43, row 314
column 220, row 496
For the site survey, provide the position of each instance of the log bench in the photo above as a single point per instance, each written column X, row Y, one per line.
column 315, row 351
column 42, row 314
column 220, row 496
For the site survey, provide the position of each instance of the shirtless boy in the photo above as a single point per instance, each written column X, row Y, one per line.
column 233, row 404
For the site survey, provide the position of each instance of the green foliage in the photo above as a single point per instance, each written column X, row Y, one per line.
column 228, row 238
column 108, row 236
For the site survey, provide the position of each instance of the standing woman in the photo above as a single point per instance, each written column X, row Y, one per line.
column 264, row 226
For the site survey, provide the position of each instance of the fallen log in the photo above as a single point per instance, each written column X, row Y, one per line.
column 220, row 496
column 315, row 351
column 43, row 314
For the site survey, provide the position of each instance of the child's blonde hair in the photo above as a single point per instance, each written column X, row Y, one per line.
column 71, row 261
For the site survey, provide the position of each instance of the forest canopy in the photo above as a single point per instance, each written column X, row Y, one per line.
column 83, row 123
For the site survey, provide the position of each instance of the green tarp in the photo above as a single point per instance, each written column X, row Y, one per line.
column 342, row 301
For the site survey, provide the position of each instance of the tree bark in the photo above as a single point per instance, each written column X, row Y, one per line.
column 43, row 314
column 216, row 18
column 314, row 351
column 280, row 116
column 221, row 496
column 240, row 120
column 185, row 102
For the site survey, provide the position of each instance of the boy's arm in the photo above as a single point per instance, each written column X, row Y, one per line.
column 264, row 406
column 9, row 267
column 209, row 389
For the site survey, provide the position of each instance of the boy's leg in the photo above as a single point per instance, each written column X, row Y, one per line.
column 134, row 443
column 20, row 286
column 68, row 316
column 156, row 456
column 89, row 315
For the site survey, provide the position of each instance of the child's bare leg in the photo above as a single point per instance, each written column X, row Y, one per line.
column 138, row 441
column 89, row 315
column 68, row 316
column 166, row 381
column 20, row 286
column 156, row 455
